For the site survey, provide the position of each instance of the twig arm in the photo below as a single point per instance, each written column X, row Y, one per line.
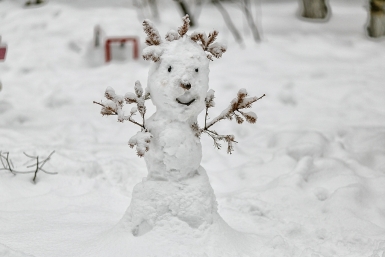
column 129, row 118
column 232, row 111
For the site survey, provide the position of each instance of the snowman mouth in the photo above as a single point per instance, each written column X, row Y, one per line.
column 186, row 103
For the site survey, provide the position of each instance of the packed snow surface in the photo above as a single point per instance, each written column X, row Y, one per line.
column 307, row 180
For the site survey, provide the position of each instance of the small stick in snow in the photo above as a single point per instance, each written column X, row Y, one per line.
column 38, row 166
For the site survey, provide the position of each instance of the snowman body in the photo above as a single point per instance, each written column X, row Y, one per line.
column 178, row 84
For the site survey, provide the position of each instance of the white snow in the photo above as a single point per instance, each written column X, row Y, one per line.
column 142, row 142
column 306, row 180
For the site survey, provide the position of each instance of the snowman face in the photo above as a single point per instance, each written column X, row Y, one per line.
column 179, row 81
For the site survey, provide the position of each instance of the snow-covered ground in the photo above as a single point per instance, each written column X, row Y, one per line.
column 308, row 179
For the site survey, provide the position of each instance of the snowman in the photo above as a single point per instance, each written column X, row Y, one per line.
column 176, row 191
column 178, row 83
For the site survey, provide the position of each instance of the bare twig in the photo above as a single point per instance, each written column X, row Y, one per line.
column 1, row 159
column 42, row 162
column 38, row 166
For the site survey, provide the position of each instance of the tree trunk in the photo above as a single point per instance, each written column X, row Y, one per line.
column 249, row 17
column 185, row 11
column 377, row 18
column 228, row 21
column 97, row 36
column 314, row 9
column 154, row 9
column 198, row 8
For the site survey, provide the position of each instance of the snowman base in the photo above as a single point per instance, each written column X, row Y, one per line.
column 175, row 218
column 156, row 202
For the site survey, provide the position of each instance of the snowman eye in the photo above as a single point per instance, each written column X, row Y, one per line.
column 196, row 70
column 169, row 68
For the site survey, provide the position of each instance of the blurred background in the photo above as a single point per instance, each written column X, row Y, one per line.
column 308, row 178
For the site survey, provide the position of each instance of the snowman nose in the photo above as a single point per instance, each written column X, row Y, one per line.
column 186, row 86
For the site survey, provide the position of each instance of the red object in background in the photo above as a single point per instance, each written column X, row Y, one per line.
column 3, row 51
column 134, row 40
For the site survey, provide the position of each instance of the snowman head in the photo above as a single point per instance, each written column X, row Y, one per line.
column 179, row 75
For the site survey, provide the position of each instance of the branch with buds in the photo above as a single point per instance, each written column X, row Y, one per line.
column 182, row 30
column 153, row 37
column 233, row 111
column 154, row 50
column 114, row 105
column 38, row 166
column 208, row 45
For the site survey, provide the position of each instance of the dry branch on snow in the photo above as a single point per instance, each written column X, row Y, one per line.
column 36, row 167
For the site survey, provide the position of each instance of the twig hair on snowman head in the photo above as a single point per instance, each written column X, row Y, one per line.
column 155, row 50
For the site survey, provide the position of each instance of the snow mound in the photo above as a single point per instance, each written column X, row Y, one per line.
column 8, row 252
